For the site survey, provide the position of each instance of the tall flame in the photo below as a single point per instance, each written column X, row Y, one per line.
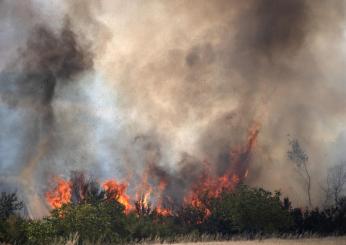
column 119, row 192
column 60, row 195
column 212, row 186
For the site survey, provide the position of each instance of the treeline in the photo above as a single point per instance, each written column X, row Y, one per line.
column 100, row 217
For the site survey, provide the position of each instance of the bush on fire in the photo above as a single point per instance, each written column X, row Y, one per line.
column 243, row 211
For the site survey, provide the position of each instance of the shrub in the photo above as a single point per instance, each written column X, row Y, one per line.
column 251, row 210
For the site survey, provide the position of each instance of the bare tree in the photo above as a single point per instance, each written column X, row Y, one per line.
column 336, row 182
column 298, row 156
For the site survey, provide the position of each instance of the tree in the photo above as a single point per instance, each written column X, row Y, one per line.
column 253, row 210
column 85, row 189
column 10, row 223
column 336, row 181
column 298, row 156
column 143, row 208
column 9, row 204
column 102, row 221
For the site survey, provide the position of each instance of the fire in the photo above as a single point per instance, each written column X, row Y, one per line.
column 163, row 211
column 146, row 198
column 119, row 192
column 159, row 196
column 154, row 183
column 60, row 195
column 212, row 186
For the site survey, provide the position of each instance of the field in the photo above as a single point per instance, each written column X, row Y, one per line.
column 270, row 241
column 310, row 241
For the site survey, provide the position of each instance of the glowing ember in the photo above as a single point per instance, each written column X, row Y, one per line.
column 119, row 192
column 60, row 195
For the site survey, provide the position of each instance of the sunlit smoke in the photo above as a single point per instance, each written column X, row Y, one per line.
column 169, row 98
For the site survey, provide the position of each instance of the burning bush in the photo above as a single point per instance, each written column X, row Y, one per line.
column 166, row 190
column 230, row 210
column 101, row 216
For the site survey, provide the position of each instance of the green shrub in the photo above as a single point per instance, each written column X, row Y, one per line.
column 104, row 221
column 252, row 210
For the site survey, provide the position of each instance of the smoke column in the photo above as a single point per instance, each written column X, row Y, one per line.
column 116, row 88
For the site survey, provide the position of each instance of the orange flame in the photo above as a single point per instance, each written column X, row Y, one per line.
column 159, row 209
column 119, row 190
column 213, row 186
column 60, row 195
column 163, row 211
column 208, row 185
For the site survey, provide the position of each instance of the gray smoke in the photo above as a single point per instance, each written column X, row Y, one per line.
column 50, row 57
column 119, row 88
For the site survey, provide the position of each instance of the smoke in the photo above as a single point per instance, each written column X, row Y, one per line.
column 50, row 57
column 120, row 88
column 274, row 27
column 199, row 75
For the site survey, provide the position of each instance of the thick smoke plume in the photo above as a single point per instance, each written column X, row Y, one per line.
column 49, row 58
column 169, row 90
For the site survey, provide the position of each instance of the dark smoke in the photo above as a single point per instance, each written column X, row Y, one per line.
column 178, row 85
column 178, row 183
column 227, row 65
column 50, row 58
column 274, row 27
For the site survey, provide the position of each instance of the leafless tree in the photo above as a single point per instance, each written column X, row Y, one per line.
column 298, row 156
column 336, row 182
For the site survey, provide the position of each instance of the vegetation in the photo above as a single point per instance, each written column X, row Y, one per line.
column 298, row 156
column 243, row 211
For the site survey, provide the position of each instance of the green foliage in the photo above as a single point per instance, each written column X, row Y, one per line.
column 40, row 231
column 11, row 225
column 244, row 210
column 252, row 210
column 191, row 218
column 9, row 204
column 12, row 230
column 146, row 223
column 104, row 220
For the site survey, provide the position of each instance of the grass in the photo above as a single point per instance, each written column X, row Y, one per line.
column 206, row 240
column 303, row 241
column 212, row 240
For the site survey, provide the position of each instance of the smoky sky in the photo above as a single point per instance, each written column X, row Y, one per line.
column 49, row 57
column 119, row 88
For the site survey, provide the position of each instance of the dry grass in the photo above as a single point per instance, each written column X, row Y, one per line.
column 270, row 241
column 309, row 241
